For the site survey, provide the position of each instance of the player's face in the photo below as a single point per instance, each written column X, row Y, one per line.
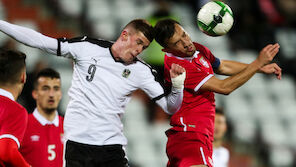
column 135, row 43
column 48, row 93
column 220, row 126
column 181, row 41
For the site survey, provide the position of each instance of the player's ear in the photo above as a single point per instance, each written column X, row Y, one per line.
column 124, row 35
column 34, row 94
column 23, row 77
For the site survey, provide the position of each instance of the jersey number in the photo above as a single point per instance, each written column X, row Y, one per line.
column 51, row 152
column 91, row 71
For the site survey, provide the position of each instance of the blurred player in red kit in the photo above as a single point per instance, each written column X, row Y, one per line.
column 43, row 139
column 13, row 117
column 191, row 136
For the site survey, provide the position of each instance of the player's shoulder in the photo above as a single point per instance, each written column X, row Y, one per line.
column 141, row 64
column 143, row 68
column 100, row 42
column 10, row 104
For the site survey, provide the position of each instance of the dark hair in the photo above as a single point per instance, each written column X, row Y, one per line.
column 143, row 26
column 164, row 30
column 11, row 65
column 47, row 72
column 220, row 111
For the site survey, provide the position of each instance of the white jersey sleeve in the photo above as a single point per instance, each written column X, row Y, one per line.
column 34, row 39
column 29, row 37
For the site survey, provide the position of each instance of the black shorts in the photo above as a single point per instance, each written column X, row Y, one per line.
column 80, row 155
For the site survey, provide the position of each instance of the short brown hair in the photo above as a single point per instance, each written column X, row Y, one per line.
column 11, row 65
column 143, row 26
column 164, row 30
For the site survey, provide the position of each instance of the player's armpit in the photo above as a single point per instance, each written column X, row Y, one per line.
column 10, row 155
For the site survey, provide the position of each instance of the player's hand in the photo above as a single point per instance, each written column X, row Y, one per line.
column 178, row 75
column 267, row 54
column 272, row 68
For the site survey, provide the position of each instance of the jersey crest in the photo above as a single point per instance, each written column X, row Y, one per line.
column 126, row 73
column 204, row 62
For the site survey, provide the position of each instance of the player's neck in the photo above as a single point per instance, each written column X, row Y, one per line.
column 115, row 51
column 13, row 89
column 217, row 143
column 47, row 115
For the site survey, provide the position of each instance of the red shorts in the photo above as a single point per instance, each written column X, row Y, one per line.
column 185, row 149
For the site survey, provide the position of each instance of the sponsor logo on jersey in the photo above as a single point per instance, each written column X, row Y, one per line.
column 204, row 62
column 35, row 138
column 126, row 73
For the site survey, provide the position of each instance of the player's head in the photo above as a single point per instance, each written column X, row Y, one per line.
column 12, row 69
column 171, row 35
column 220, row 124
column 134, row 38
column 47, row 90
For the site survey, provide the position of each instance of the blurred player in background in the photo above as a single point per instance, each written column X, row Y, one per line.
column 13, row 117
column 43, row 140
column 105, row 74
column 190, row 139
column 220, row 153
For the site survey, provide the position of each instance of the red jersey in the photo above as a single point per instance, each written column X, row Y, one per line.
column 43, row 141
column 197, row 112
column 13, row 119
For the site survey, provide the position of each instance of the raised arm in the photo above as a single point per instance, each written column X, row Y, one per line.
column 229, row 68
column 231, row 83
column 29, row 37
column 172, row 102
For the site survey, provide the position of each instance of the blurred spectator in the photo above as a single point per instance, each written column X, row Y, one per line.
column 220, row 153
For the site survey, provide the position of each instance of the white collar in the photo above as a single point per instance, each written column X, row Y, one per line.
column 6, row 94
column 184, row 58
column 44, row 121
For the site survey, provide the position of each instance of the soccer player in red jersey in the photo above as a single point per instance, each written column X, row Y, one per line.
column 43, row 139
column 191, row 136
column 13, row 117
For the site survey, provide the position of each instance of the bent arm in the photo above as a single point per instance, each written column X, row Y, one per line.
column 10, row 155
column 229, row 68
column 231, row 83
column 29, row 37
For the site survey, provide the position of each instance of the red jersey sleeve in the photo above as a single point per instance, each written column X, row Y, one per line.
column 13, row 121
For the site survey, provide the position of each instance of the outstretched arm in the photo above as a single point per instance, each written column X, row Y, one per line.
column 29, row 37
column 231, row 83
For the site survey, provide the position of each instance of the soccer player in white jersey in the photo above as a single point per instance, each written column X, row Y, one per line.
column 105, row 74
column 220, row 153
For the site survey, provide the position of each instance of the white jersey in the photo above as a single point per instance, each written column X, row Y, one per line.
column 101, row 86
column 220, row 157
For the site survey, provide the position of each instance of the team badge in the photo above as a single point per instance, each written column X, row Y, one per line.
column 126, row 73
column 204, row 62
